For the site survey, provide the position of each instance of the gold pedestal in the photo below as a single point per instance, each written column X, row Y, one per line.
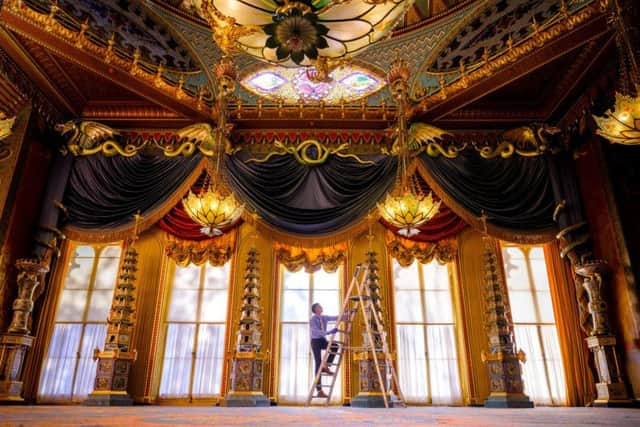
column 112, row 378
column 246, row 381
column 13, row 350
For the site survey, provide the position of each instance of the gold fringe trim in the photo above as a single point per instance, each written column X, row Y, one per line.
column 312, row 260
column 107, row 235
column 406, row 251
column 216, row 251
column 322, row 241
column 516, row 236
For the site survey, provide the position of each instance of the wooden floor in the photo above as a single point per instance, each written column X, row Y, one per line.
column 144, row 416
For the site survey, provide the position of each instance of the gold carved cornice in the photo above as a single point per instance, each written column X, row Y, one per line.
column 407, row 251
column 216, row 251
column 73, row 43
column 327, row 258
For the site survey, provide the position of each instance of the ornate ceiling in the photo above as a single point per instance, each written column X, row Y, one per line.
column 149, row 63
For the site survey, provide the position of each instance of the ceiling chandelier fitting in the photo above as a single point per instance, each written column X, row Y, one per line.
column 621, row 124
column 300, row 32
column 406, row 207
column 214, row 207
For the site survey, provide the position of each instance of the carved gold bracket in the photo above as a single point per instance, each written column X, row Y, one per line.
column 311, row 153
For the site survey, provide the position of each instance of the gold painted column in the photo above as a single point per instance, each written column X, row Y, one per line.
column 114, row 362
column 15, row 344
column 505, row 373
column 248, row 361
column 589, row 279
column 610, row 388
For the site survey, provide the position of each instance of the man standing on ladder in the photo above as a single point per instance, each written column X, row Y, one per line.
column 318, row 326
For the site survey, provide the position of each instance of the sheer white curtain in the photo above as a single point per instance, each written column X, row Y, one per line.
column 56, row 381
column 443, row 365
column 412, row 363
column 176, row 366
column 295, row 363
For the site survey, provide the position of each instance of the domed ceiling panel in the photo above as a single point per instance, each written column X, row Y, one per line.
column 490, row 31
column 130, row 28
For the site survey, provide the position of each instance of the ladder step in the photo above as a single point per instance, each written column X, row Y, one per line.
column 357, row 298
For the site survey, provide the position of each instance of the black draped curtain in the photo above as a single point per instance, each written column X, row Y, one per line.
column 105, row 192
column 311, row 200
column 514, row 193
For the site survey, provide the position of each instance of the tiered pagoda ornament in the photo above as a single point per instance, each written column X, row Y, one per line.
column 114, row 362
column 505, row 373
column 300, row 32
column 621, row 125
column 215, row 206
column 406, row 206
column 248, row 361
column 369, row 394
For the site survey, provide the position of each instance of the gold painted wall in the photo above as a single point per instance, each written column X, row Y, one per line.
column 467, row 283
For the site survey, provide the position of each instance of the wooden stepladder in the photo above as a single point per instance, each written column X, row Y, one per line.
column 358, row 300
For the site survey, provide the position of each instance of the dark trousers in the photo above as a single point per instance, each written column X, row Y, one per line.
column 317, row 345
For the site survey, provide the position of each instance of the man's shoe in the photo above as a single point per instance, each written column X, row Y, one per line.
column 321, row 394
column 326, row 371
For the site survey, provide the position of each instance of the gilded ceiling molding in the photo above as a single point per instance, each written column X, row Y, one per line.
column 312, row 260
column 6, row 125
column 86, row 138
column 157, row 76
column 407, row 251
column 15, row 85
column 311, row 153
column 268, row 138
column 216, row 251
column 455, row 82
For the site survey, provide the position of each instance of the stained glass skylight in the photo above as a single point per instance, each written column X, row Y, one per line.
column 348, row 83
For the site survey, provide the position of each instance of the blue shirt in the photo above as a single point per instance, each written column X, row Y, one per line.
column 318, row 325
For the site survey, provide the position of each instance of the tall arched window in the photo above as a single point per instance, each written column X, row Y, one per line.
column 299, row 291
column 195, row 326
column 426, row 333
column 80, row 324
column 534, row 324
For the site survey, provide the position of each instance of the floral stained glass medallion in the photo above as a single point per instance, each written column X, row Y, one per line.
column 348, row 83
column 267, row 81
column 358, row 81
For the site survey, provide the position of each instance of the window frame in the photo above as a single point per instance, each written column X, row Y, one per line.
column 163, row 327
column 460, row 343
column 539, row 324
column 278, row 322
column 57, row 290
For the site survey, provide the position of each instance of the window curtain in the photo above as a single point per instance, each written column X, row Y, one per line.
column 296, row 365
column 514, row 194
column 310, row 200
column 539, row 341
column 58, row 381
column 103, row 193
column 176, row 365
column 573, row 350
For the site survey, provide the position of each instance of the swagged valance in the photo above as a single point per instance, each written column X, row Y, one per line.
column 323, row 201
column 311, row 260
column 216, row 251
